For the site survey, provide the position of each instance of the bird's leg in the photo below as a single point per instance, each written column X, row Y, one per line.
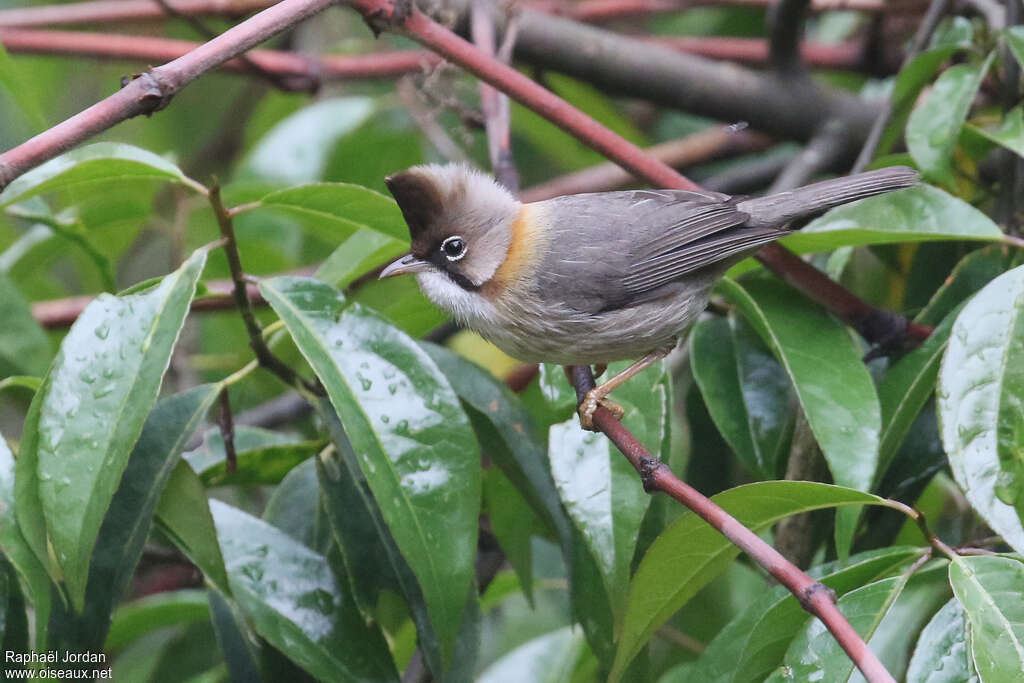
column 597, row 395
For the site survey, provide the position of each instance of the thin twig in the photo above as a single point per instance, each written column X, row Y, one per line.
column 494, row 103
column 227, row 431
column 259, row 346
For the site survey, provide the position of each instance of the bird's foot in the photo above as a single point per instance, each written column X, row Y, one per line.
column 594, row 398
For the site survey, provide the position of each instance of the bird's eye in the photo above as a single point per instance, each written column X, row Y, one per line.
column 454, row 248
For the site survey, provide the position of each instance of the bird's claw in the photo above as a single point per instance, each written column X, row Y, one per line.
column 594, row 398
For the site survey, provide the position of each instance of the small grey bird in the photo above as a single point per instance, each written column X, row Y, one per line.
column 591, row 278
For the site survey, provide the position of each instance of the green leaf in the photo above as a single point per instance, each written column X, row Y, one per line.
column 127, row 523
column 599, row 488
column 746, row 391
column 32, row 384
column 981, row 385
column 263, row 456
column 372, row 559
column 1010, row 134
column 550, row 658
column 915, row 214
column 31, row 572
column 934, row 126
column 102, row 386
column 28, row 508
column 943, row 651
column 295, row 507
column 834, row 387
column 24, row 346
column 139, row 617
column 905, row 388
column 1014, row 36
column 989, row 588
column 973, row 272
column 296, row 150
column 237, row 641
column 292, row 599
column 909, row 83
column 689, row 553
column 512, row 522
column 336, row 211
column 102, row 162
column 415, row 445
column 754, row 643
column 815, row 655
column 364, row 250
column 184, row 515
column 508, row 435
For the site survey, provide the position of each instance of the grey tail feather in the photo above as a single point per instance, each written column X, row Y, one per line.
column 776, row 210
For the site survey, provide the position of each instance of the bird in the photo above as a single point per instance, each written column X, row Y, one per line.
column 588, row 279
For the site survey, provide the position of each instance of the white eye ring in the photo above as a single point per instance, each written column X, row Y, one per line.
column 458, row 248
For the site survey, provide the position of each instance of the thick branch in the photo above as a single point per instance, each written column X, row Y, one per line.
column 848, row 55
column 657, row 477
column 787, row 27
column 723, row 91
column 153, row 90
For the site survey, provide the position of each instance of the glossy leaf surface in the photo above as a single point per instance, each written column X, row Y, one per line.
column 981, row 413
column 989, row 588
column 293, row 600
column 415, row 445
column 102, row 386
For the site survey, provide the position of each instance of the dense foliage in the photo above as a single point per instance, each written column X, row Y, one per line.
column 421, row 513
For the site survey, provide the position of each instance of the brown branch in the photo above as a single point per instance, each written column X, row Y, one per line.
column 152, row 90
column 786, row 18
column 150, row 49
column 264, row 355
column 698, row 148
column 814, row 597
column 227, row 431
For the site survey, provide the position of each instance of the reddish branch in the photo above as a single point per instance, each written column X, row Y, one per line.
column 150, row 49
column 152, row 90
column 814, row 597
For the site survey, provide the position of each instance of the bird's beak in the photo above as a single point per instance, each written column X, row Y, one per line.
column 406, row 264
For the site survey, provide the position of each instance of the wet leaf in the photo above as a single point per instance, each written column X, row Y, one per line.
column 943, row 651
column 980, row 390
column 832, row 383
column 292, row 599
column 934, row 126
column 689, row 553
column 1009, row 134
column 102, row 162
column 600, row 490
column 747, row 392
column 101, row 387
column 415, row 445
column 990, row 588
column 263, row 456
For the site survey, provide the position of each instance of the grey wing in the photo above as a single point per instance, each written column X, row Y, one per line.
column 615, row 249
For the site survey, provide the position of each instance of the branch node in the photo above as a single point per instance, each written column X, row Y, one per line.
column 382, row 20
column 808, row 595
column 156, row 93
column 648, row 469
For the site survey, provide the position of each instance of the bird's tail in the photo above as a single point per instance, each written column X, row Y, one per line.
column 777, row 210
